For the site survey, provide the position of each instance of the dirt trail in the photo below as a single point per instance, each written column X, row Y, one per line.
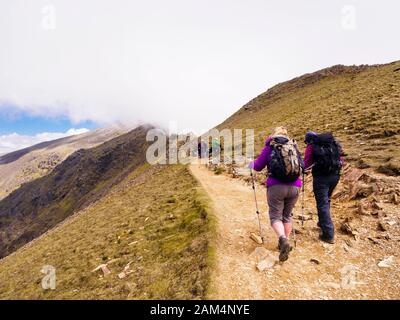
column 345, row 270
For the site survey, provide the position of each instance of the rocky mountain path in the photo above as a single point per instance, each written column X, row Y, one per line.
column 244, row 269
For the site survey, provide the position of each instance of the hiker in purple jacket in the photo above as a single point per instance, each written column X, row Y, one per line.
column 281, row 196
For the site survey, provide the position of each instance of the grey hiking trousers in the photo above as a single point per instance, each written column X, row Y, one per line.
column 281, row 201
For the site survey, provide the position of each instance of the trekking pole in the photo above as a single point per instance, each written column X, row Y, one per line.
column 294, row 234
column 303, row 193
column 255, row 200
column 302, row 199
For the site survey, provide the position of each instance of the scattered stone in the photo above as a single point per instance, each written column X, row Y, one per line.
column 316, row 261
column 339, row 193
column 382, row 226
column 171, row 216
column 103, row 268
column 264, row 258
column 361, row 190
column 395, row 199
column 391, row 222
column 375, row 198
column 377, row 205
column 266, row 263
column 126, row 271
column 373, row 240
column 349, row 243
column 346, row 228
column 362, row 208
column 353, row 175
column 386, row 262
column 259, row 254
column 256, row 238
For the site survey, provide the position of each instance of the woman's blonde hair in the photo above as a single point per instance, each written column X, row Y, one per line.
column 279, row 131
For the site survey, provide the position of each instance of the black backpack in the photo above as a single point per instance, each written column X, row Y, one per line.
column 326, row 155
column 286, row 162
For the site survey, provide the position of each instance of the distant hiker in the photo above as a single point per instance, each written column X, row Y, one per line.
column 215, row 150
column 202, row 149
column 283, row 160
column 325, row 155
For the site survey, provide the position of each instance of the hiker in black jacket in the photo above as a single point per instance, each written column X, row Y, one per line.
column 325, row 155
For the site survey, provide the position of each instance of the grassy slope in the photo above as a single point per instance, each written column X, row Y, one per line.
column 361, row 106
column 159, row 207
column 82, row 178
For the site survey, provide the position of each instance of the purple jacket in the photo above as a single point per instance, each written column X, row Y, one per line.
column 263, row 161
column 308, row 157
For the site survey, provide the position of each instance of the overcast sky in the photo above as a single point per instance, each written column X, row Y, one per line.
column 194, row 62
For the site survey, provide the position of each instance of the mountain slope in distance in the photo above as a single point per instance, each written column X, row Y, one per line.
column 78, row 181
column 22, row 166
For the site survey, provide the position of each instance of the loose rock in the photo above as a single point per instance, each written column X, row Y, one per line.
column 266, row 263
column 382, row 226
column 361, row 190
column 395, row 199
column 256, row 238
column 103, row 267
column 259, row 254
column 386, row 262
column 346, row 228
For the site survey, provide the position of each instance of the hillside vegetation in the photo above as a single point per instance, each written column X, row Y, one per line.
column 25, row 165
column 155, row 225
column 82, row 178
column 360, row 105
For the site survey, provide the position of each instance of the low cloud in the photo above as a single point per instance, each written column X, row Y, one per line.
column 15, row 141
column 194, row 62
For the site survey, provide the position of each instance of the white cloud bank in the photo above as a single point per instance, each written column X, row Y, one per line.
column 194, row 62
column 15, row 141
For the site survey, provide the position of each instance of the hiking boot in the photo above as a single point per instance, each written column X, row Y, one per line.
column 284, row 249
column 326, row 239
column 279, row 247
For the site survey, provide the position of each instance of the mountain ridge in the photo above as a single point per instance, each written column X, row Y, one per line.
column 79, row 180
column 30, row 163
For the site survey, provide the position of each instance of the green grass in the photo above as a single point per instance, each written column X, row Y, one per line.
column 169, row 244
column 361, row 108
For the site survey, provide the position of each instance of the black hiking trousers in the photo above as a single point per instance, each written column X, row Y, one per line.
column 323, row 188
